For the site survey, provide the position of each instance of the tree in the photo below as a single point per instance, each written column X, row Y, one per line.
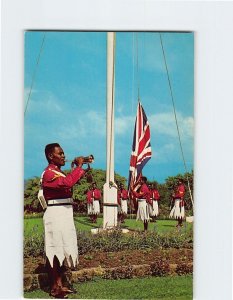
column 31, row 203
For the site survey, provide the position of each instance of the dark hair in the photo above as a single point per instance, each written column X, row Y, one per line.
column 144, row 178
column 49, row 149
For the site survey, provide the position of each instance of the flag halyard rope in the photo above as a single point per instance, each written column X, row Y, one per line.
column 174, row 110
column 34, row 74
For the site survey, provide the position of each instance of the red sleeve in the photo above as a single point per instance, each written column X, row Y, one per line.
column 135, row 194
column 53, row 180
column 156, row 195
column 125, row 194
column 143, row 193
column 147, row 194
column 97, row 194
column 119, row 197
column 89, row 197
column 145, row 190
column 180, row 191
column 151, row 194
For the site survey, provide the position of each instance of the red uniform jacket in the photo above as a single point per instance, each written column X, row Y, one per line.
column 122, row 194
column 57, row 185
column 93, row 194
column 180, row 191
column 179, row 194
column 144, row 193
column 155, row 195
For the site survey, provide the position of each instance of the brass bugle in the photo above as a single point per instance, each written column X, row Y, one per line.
column 86, row 159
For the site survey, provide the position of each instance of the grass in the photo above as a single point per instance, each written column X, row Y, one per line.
column 83, row 224
column 176, row 288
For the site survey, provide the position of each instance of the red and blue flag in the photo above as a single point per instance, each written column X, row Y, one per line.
column 141, row 148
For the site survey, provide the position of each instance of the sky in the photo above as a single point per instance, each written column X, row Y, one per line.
column 67, row 102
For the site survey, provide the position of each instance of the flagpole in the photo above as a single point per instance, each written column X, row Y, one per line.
column 110, row 205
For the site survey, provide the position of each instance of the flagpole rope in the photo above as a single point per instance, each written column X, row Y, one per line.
column 174, row 110
column 34, row 74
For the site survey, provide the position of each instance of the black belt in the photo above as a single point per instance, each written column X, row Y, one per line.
column 59, row 204
column 110, row 204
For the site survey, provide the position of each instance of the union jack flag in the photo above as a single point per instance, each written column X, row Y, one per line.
column 141, row 148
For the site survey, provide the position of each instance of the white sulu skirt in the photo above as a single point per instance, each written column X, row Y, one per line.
column 96, row 207
column 60, row 234
column 151, row 210
column 177, row 211
column 143, row 210
column 89, row 208
column 155, row 208
column 124, row 206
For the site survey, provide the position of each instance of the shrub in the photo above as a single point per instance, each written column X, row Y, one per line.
column 184, row 269
column 119, row 273
column 112, row 241
column 160, row 267
column 34, row 243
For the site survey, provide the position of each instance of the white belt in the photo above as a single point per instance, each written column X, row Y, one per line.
column 60, row 201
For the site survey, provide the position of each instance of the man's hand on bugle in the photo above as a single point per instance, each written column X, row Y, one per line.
column 78, row 162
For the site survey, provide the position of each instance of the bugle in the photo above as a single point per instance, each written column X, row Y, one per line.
column 86, row 159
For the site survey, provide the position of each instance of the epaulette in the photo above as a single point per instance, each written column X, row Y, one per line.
column 57, row 174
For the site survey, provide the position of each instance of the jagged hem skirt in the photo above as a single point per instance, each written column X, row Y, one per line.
column 60, row 235
column 123, row 208
column 178, row 210
column 154, row 210
column 143, row 211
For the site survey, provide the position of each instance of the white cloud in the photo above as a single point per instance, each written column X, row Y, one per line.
column 92, row 125
column 51, row 104
column 164, row 153
column 164, row 137
column 123, row 125
column 96, row 122
column 160, row 124
column 165, row 124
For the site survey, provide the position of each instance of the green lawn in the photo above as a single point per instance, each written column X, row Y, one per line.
column 175, row 288
column 83, row 224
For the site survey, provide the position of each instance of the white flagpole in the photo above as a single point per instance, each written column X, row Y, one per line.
column 110, row 191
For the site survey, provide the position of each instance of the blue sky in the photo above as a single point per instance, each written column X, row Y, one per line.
column 68, row 98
